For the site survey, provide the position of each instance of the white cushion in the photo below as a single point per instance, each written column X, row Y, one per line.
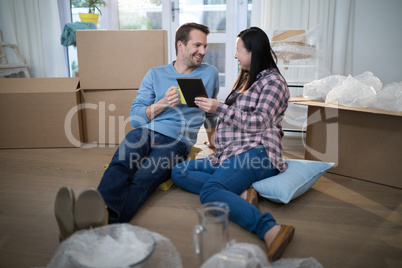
column 299, row 176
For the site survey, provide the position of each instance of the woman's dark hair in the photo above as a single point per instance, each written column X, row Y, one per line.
column 183, row 32
column 262, row 57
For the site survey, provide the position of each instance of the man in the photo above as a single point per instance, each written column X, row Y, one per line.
column 165, row 130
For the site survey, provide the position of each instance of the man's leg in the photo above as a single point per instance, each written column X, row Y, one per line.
column 115, row 182
column 165, row 153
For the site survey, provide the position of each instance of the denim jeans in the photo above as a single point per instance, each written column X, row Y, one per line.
column 141, row 163
column 226, row 182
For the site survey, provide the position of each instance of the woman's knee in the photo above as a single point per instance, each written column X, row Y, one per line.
column 204, row 196
column 177, row 173
column 207, row 193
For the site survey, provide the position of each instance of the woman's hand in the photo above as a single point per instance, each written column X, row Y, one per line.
column 209, row 105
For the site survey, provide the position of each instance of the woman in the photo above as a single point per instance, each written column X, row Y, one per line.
column 247, row 139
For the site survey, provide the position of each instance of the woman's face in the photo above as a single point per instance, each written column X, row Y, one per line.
column 242, row 55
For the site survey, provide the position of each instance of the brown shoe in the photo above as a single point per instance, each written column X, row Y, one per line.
column 252, row 196
column 64, row 212
column 90, row 210
column 281, row 240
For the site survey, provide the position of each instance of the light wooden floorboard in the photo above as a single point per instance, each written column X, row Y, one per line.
column 340, row 221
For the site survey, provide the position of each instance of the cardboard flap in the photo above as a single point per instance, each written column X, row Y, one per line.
column 280, row 35
column 118, row 59
column 341, row 107
column 298, row 99
column 37, row 85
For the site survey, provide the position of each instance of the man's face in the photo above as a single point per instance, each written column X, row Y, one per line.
column 194, row 51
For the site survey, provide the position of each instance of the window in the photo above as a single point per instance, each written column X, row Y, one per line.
column 218, row 15
column 140, row 14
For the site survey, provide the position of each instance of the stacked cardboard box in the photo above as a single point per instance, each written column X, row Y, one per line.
column 112, row 65
column 40, row 113
column 91, row 108
column 364, row 143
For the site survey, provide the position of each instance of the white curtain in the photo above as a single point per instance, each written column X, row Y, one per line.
column 332, row 22
column 333, row 19
column 34, row 26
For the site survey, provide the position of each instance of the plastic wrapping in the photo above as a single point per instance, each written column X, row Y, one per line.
column 362, row 91
column 390, row 97
column 238, row 255
column 300, row 46
column 244, row 255
column 117, row 245
column 352, row 93
column 299, row 55
column 319, row 89
column 369, row 79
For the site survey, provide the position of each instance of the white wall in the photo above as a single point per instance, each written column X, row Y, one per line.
column 377, row 45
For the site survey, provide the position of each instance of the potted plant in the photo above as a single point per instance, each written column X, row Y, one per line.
column 93, row 6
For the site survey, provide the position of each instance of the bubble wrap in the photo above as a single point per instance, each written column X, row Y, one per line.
column 362, row 91
column 352, row 93
column 390, row 97
column 319, row 89
column 245, row 255
column 297, row 47
column 112, row 240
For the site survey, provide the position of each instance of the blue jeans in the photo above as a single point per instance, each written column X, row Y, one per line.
column 226, row 182
column 141, row 163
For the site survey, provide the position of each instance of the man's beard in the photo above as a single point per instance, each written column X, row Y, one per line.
column 194, row 63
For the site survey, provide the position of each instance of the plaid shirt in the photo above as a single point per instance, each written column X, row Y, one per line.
column 253, row 119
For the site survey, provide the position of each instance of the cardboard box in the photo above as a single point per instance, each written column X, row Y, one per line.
column 106, row 115
column 364, row 143
column 280, row 35
column 118, row 59
column 39, row 113
column 112, row 65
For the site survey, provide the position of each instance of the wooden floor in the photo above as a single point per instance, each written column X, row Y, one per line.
column 340, row 221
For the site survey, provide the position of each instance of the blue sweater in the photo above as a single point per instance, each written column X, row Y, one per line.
column 180, row 122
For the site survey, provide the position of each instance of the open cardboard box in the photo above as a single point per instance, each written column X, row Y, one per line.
column 364, row 143
column 40, row 113
column 106, row 117
column 112, row 65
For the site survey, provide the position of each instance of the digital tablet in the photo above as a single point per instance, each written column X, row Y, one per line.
column 191, row 87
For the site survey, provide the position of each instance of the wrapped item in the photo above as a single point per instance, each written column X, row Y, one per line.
column 390, row 97
column 369, row 79
column 245, row 255
column 116, row 245
column 289, row 51
column 239, row 255
column 300, row 59
column 318, row 89
column 293, row 45
column 296, row 263
column 352, row 93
